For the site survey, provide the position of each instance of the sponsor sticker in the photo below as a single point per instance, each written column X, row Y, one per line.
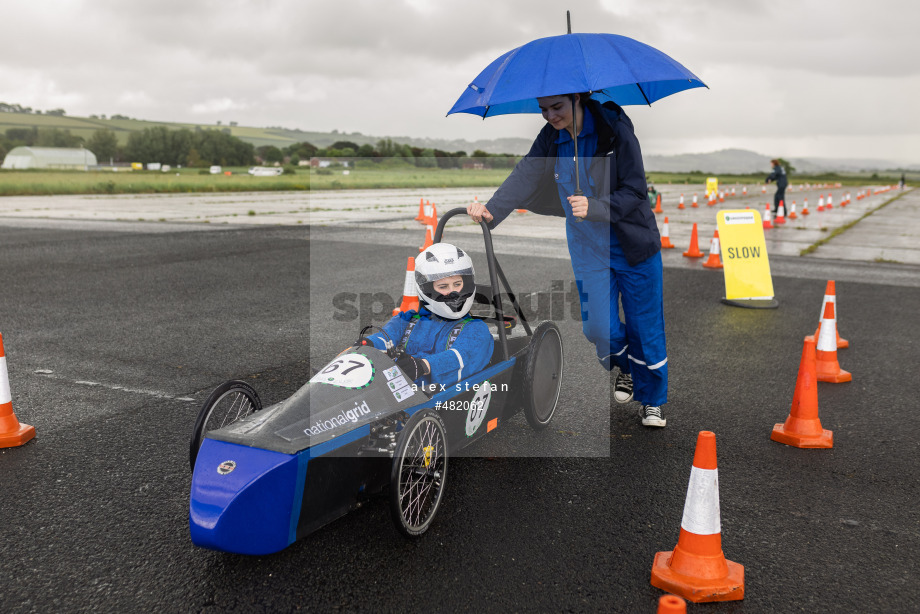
column 343, row 418
column 226, row 467
column 399, row 382
column 392, row 372
column 739, row 217
column 403, row 393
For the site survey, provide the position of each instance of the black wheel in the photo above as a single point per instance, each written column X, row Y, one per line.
column 419, row 472
column 542, row 375
column 228, row 403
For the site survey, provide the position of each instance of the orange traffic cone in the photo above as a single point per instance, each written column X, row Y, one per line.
column 694, row 251
column 721, row 197
column 828, row 369
column 429, row 239
column 421, row 211
column 802, row 428
column 695, row 205
column 744, row 191
column 767, row 224
column 781, row 213
column 433, row 216
column 792, row 214
column 12, row 432
column 714, row 261
column 681, row 205
column 821, row 203
column 666, row 235
column 697, row 569
column 410, row 296
column 830, row 295
column 805, row 210
column 671, row 604
column 658, row 205
column 830, row 202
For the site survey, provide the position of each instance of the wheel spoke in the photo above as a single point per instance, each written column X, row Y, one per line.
column 421, row 474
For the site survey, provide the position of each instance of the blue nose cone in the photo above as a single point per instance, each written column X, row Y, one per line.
column 244, row 500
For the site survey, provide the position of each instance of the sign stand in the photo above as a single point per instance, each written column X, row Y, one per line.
column 748, row 282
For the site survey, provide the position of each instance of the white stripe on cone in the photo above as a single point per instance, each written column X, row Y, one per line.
column 714, row 246
column 5, row 396
column 409, row 286
column 701, row 509
column 827, row 338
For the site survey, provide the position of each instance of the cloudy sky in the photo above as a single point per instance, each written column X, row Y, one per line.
column 831, row 78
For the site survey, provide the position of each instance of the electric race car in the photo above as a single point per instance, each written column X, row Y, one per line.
column 265, row 477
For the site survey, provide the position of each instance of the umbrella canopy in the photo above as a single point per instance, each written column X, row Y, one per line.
column 610, row 66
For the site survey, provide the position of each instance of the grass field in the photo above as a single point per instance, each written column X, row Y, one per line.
column 33, row 182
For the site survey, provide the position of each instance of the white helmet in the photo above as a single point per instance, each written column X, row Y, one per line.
column 437, row 262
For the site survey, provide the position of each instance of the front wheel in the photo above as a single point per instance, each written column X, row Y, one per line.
column 542, row 375
column 231, row 401
column 419, row 473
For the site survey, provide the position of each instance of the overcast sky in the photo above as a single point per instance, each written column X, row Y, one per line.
column 791, row 78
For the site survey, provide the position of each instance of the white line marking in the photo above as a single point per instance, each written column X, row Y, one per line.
column 153, row 393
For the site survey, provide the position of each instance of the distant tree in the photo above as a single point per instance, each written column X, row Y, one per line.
column 386, row 148
column 56, row 112
column 53, row 137
column 305, row 149
column 193, row 160
column 367, row 151
column 345, row 145
column 117, row 116
column 103, row 143
column 478, row 153
column 234, row 124
column 786, row 165
column 270, row 153
column 294, row 160
column 22, row 136
column 426, row 159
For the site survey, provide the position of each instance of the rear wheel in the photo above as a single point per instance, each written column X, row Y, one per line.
column 542, row 375
column 231, row 401
column 419, row 473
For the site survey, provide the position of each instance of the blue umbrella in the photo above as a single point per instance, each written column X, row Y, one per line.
column 609, row 66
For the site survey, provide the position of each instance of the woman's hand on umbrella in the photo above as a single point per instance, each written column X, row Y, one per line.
column 579, row 206
column 478, row 212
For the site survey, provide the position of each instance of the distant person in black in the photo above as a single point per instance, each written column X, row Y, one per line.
column 778, row 175
column 903, row 183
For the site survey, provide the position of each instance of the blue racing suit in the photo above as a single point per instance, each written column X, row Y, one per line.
column 615, row 250
column 430, row 339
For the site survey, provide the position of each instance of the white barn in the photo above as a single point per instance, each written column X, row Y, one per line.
column 57, row 158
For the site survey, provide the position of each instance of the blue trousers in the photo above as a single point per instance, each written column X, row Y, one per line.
column 637, row 344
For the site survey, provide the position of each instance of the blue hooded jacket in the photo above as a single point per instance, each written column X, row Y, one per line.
column 469, row 353
column 616, row 171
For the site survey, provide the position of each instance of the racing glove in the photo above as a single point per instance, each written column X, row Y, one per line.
column 412, row 366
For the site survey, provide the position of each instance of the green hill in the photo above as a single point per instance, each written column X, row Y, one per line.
column 277, row 136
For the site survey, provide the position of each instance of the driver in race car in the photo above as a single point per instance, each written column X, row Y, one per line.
column 440, row 343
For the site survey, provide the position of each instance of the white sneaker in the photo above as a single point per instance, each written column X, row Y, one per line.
column 651, row 416
column 623, row 388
